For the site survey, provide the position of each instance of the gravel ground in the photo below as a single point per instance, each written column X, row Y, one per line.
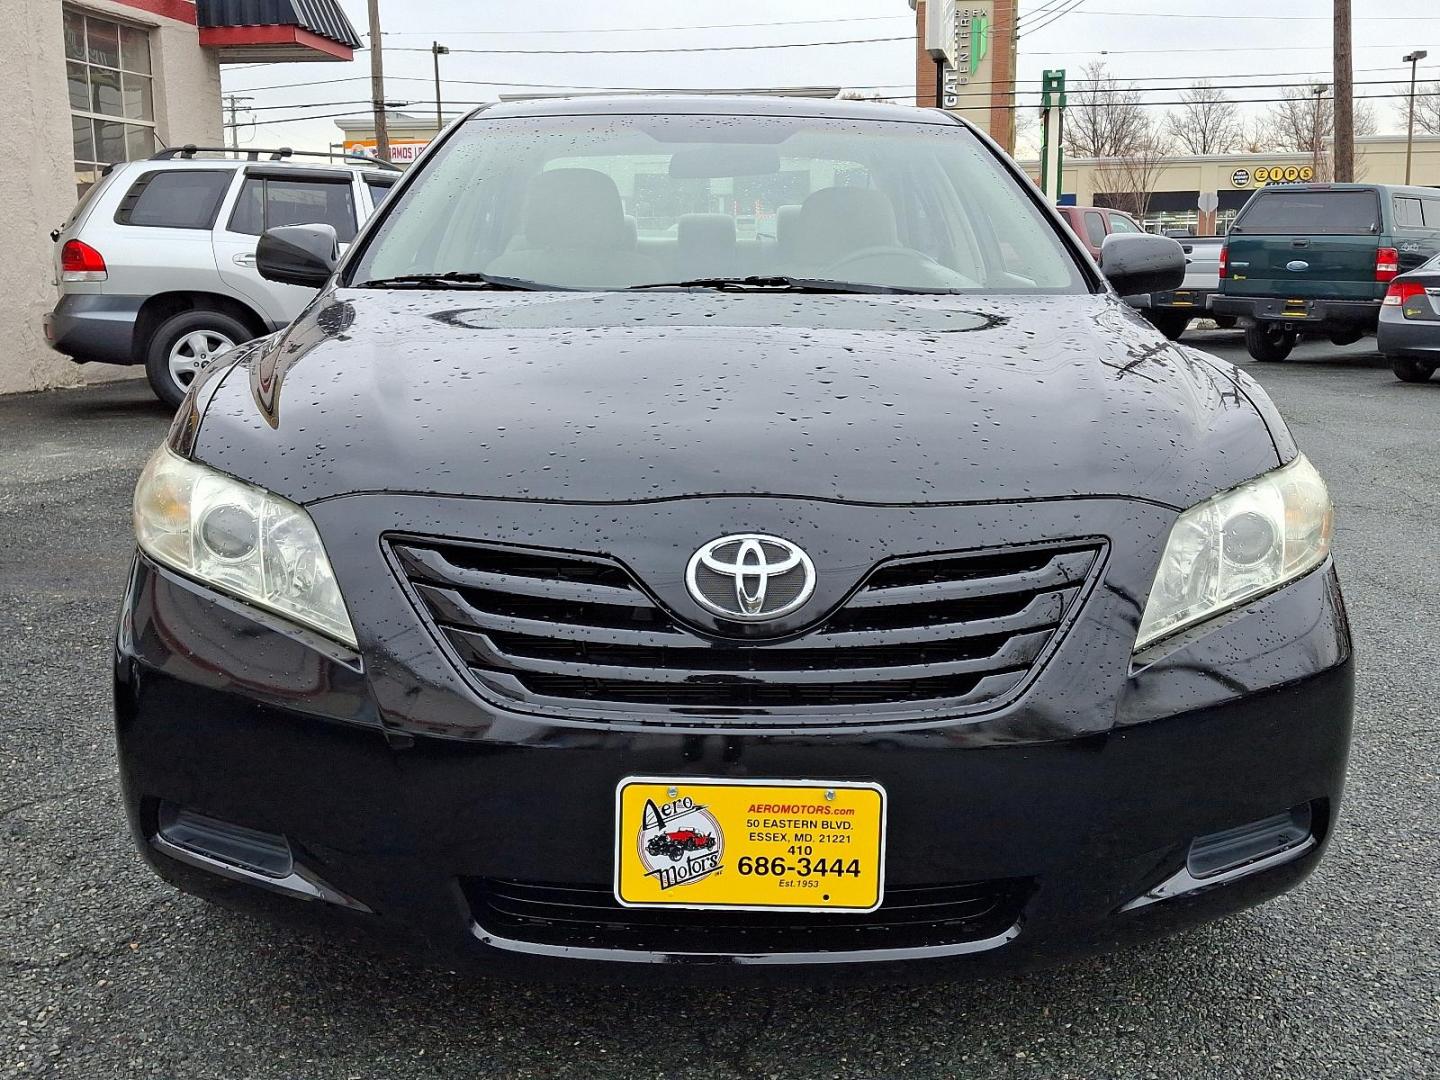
column 105, row 972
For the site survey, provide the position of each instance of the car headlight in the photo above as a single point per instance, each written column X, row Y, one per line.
column 1239, row 544
column 239, row 539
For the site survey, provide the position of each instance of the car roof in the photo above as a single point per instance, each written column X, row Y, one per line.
column 1411, row 189
column 713, row 105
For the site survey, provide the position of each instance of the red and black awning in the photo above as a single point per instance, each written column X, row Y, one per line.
column 276, row 31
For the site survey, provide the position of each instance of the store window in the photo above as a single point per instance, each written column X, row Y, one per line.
column 112, row 95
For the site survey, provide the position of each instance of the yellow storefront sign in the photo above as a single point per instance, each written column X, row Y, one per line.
column 1274, row 174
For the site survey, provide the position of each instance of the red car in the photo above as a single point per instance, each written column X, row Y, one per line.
column 675, row 844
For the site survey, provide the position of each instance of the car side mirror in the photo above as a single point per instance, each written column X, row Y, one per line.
column 298, row 254
column 1142, row 263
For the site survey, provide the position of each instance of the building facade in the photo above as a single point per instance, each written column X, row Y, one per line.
column 965, row 56
column 1177, row 184
column 93, row 82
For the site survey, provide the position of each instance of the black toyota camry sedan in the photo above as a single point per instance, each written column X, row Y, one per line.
column 730, row 536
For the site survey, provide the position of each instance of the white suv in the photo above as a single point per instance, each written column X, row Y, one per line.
column 156, row 265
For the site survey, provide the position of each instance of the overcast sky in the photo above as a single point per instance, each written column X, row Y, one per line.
column 1225, row 40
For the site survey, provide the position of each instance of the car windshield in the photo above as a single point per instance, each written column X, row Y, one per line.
column 625, row 201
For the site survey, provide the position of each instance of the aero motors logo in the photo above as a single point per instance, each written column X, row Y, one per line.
column 679, row 841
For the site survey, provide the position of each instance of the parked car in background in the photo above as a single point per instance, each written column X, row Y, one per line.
column 1318, row 258
column 1093, row 223
column 1172, row 311
column 1409, row 332
column 156, row 264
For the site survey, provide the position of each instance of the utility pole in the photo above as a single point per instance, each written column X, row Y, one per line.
column 235, row 100
column 377, row 83
column 1052, row 122
column 1413, row 59
column 1344, row 96
column 439, row 51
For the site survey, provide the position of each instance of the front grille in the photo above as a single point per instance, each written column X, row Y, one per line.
column 558, row 630
column 588, row 916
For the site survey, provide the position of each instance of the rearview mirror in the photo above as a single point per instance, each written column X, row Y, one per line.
column 1142, row 263
column 709, row 162
column 298, row 254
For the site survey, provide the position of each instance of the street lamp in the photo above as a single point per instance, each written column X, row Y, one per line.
column 438, row 50
column 1319, row 92
column 1413, row 59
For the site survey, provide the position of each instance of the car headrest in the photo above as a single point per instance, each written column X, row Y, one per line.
column 835, row 221
column 787, row 228
column 706, row 232
column 575, row 208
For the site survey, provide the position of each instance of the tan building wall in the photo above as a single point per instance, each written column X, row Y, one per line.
column 1379, row 159
column 37, row 171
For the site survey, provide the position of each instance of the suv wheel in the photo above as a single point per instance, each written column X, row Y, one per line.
column 1348, row 336
column 184, row 346
column 1412, row 370
column 1267, row 341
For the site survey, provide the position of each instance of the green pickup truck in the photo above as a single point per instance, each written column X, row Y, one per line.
column 1317, row 259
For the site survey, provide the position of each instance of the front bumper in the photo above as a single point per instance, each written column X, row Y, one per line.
column 1305, row 313
column 405, row 795
column 95, row 327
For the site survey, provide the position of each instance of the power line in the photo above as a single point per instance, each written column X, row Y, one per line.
column 1214, row 87
column 1096, row 105
column 682, row 49
column 643, row 29
column 1072, row 82
column 1202, row 48
column 1053, row 18
column 1271, row 18
column 1036, row 12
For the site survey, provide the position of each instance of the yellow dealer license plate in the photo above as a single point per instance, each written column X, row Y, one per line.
column 749, row 845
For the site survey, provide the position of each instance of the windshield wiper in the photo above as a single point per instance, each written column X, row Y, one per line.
column 785, row 283
column 453, row 279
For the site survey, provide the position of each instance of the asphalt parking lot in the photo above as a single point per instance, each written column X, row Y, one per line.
column 105, row 972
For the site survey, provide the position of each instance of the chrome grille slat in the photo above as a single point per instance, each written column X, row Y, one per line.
column 1044, row 612
column 576, row 633
column 449, row 607
column 1065, row 569
column 433, row 566
column 1017, row 653
column 844, row 699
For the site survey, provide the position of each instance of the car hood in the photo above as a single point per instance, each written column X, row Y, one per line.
column 612, row 397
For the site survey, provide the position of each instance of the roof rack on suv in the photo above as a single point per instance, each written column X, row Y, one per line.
column 189, row 150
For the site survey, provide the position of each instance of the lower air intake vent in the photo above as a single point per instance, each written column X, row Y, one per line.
column 588, row 916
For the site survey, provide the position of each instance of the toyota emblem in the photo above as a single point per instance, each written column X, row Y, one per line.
column 750, row 577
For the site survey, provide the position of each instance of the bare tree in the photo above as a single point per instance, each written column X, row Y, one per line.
column 1427, row 107
column 1207, row 121
column 1027, row 133
column 1127, row 181
column 1104, row 117
column 1304, row 122
column 1255, row 137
